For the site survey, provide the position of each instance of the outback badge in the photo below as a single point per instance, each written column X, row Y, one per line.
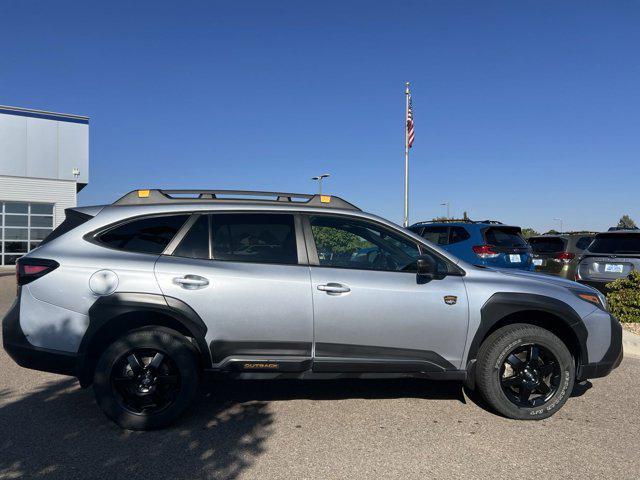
column 450, row 299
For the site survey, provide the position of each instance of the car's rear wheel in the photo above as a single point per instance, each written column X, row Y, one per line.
column 525, row 372
column 146, row 379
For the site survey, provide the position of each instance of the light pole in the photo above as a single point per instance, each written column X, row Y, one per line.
column 447, row 205
column 319, row 179
column 560, row 220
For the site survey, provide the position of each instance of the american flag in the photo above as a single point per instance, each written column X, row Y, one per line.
column 410, row 132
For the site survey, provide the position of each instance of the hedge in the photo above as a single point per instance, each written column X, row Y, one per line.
column 624, row 298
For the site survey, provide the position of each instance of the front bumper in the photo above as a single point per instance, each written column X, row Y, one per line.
column 611, row 359
column 29, row 356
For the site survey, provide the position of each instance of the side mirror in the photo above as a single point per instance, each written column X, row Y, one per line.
column 426, row 266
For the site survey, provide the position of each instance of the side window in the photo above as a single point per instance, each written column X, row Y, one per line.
column 195, row 243
column 146, row 235
column 347, row 243
column 258, row 238
column 583, row 243
column 458, row 234
column 437, row 235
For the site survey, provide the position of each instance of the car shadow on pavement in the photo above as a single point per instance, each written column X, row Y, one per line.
column 59, row 432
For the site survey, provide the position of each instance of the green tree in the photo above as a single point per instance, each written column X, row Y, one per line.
column 529, row 232
column 626, row 222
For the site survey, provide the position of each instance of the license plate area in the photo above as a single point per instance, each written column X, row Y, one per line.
column 537, row 262
column 613, row 268
column 514, row 258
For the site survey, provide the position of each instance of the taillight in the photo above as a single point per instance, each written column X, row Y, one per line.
column 566, row 256
column 485, row 251
column 28, row 269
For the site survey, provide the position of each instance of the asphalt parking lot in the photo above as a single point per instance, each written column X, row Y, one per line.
column 323, row 429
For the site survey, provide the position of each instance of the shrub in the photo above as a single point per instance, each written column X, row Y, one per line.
column 624, row 298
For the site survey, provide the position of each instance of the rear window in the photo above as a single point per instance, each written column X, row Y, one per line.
column 504, row 237
column 616, row 243
column 146, row 235
column 437, row 235
column 583, row 243
column 547, row 244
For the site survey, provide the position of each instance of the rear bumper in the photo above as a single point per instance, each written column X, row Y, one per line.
column 611, row 359
column 29, row 356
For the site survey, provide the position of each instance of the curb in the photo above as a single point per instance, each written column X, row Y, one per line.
column 630, row 343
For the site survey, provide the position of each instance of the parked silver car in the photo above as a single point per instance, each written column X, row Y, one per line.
column 143, row 297
column 611, row 255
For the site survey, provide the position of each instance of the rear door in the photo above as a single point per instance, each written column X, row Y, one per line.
column 371, row 311
column 245, row 275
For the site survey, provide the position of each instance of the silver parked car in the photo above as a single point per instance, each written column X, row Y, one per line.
column 611, row 255
column 143, row 297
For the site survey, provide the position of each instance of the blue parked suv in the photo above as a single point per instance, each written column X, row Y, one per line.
column 488, row 243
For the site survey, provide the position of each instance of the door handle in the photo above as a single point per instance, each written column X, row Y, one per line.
column 334, row 288
column 191, row 282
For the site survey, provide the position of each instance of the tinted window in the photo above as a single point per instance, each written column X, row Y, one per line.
column 147, row 235
column 260, row 238
column 504, row 237
column 346, row 243
column 616, row 243
column 437, row 235
column 458, row 234
column 547, row 244
column 583, row 243
column 195, row 243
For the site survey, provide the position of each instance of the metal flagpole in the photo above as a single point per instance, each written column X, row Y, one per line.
column 406, row 159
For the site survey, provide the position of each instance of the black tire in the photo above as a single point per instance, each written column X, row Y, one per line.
column 124, row 367
column 522, row 358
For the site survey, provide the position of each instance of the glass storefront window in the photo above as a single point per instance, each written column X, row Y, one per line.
column 22, row 226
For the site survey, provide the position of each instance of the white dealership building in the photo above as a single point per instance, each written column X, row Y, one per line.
column 44, row 162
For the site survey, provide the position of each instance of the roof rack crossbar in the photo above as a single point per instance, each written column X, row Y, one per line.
column 158, row 196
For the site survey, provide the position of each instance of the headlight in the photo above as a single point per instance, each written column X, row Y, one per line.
column 596, row 298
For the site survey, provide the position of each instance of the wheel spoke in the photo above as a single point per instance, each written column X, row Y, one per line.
column 122, row 380
column 156, row 360
column 135, row 364
column 546, row 369
column 514, row 381
column 514, row 361
column 542, row 388
column 524, row 394
column 534, row 354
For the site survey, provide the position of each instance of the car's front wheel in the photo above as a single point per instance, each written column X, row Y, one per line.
column 525, row 372
column 146, row 379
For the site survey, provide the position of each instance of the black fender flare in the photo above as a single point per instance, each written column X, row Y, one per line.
column 503, row 304
column 108, row 309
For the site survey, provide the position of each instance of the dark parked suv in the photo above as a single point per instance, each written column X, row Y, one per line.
column 611, row 255
column 559, row 254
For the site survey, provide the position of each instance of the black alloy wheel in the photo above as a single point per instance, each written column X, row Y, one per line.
column 530, row 375
column 147, row 381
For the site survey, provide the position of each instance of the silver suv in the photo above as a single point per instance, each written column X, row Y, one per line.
column 144, row 297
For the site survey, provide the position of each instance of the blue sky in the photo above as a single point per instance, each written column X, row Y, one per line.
column 525, row 111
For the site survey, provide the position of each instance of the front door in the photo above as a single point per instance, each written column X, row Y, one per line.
column 243, row 275
column 371, row 310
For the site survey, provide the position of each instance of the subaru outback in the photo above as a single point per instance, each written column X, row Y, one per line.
column 144, row 298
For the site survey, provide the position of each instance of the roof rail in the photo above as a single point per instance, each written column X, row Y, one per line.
column 157, row 196
column 458, row 220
